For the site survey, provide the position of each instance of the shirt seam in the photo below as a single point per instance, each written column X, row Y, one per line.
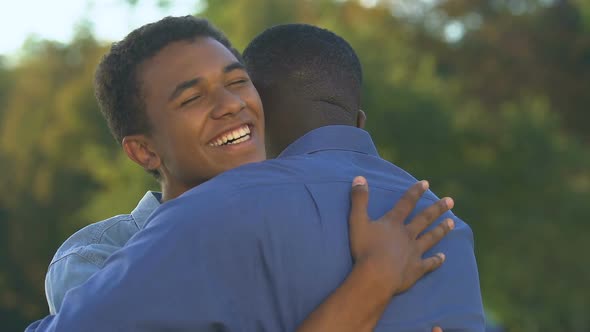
column 128, row 217
column 315, row 204
column 97, row 239
column 74, row 253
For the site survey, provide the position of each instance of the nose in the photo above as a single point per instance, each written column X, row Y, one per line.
column 227, row 103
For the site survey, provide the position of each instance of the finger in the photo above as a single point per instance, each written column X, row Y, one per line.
column 359, row 196
column 407, row 203
column 429, row 239
column 429, row 215
column 437, row 329
column 432, row 263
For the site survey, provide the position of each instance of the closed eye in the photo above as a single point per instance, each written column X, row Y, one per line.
column 240, row 81
column 191, row 99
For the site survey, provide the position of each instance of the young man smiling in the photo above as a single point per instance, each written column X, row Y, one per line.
column 185, row 136
column 167, row 100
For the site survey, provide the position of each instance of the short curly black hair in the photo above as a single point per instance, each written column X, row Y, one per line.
column 116, row 83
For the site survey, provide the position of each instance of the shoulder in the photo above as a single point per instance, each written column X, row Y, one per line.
column 230, row 206
column 277, row 173
column 83, row 254
column 97, row 235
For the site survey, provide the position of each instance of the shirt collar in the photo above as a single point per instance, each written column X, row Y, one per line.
column 145, row 207
column 337, row 137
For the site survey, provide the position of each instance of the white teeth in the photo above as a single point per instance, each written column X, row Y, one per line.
column 236, row 136
column 243, row 139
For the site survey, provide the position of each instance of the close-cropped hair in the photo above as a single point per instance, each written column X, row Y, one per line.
column 302, row 52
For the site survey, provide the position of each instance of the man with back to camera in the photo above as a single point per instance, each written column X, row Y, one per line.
column 322, row 89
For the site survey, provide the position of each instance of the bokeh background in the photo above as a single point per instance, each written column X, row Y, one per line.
column 487, row 99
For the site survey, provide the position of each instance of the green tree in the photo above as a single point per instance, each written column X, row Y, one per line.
column 519, row 47
column 55, row 149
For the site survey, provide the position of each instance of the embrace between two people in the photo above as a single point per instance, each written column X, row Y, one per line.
column 237, row 243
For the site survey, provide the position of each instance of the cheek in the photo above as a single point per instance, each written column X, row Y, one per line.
column 253, row 99
column 183, row 137
column 188, row 124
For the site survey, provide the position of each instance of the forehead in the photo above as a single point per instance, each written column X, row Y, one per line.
column 184, row 60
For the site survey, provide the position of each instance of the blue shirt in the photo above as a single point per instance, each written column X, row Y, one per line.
column 260, row 247
column 85, row 252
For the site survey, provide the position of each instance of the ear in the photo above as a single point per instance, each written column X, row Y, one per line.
column 361, row 118
column 139, row 149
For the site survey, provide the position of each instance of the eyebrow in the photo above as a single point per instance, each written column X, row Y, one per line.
column 192, row 82
column 233, row 66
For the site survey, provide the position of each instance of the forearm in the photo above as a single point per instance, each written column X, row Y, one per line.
column 355, row 306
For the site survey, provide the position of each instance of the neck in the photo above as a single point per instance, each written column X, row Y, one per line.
column 171, row 190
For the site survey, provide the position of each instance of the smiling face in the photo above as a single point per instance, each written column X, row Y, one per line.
column 206, row 116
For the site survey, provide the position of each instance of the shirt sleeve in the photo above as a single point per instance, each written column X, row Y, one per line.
column 64, row 274
column 73, row 269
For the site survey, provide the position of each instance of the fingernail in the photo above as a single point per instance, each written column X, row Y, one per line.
column 359, row 181
column 449, row 202
column 451, row 223
column 425, row 184
column 442, row 256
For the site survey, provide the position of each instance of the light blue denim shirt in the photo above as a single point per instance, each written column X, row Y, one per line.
column 85, row 252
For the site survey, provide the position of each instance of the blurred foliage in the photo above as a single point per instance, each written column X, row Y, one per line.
column 496, row 118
